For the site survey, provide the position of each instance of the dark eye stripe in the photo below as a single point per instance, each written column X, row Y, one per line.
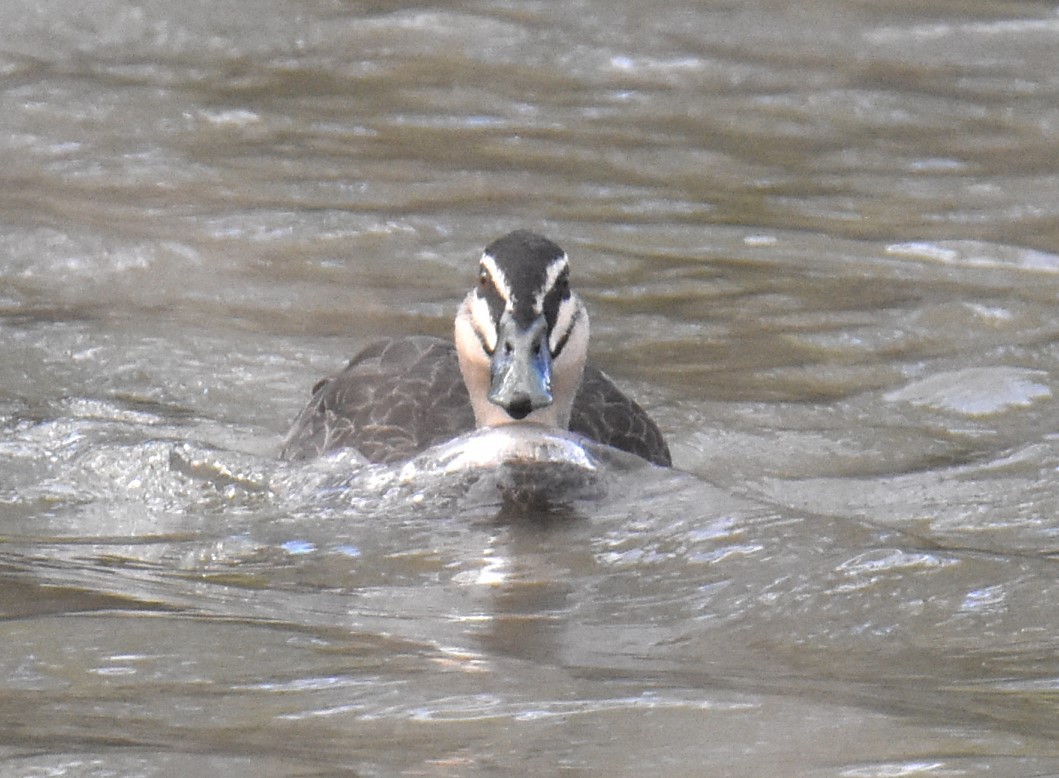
column 554, row 298
column 481, row 340
column 566, row 335
column 493, row 298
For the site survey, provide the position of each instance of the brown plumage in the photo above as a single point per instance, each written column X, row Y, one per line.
column 521, row 344
column 400, row 396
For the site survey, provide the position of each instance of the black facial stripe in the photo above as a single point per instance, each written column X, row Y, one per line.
column 554, row 298
column 493, row 299
column 566, row 335
column 481, row 340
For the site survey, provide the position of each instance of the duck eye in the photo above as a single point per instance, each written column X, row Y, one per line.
column 483, row 277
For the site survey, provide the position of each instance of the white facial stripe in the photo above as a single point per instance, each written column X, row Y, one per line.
column 499, row 279
column 569, row 310
column 482, row 321
column 555, row 269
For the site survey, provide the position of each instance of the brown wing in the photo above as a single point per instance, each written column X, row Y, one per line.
column 394, row 399
column 400, row 396
column 606, row 414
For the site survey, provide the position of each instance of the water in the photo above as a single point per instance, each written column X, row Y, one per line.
column 819, row 243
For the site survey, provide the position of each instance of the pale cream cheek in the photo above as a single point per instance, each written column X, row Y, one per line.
column 567, row 370
column 482, row 320
column 474, row 365
column 567, row 311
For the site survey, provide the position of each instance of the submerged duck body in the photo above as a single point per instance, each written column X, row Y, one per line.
column 521, row 341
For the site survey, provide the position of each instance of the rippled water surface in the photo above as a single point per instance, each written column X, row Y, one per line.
column 819, row 242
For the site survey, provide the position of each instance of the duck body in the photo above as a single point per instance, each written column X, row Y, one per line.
column 519, row 357
column 401, row 396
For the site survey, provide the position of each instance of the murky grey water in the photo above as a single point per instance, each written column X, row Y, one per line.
column 820, row 243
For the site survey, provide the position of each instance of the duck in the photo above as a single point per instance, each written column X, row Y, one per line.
column 519, row 356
